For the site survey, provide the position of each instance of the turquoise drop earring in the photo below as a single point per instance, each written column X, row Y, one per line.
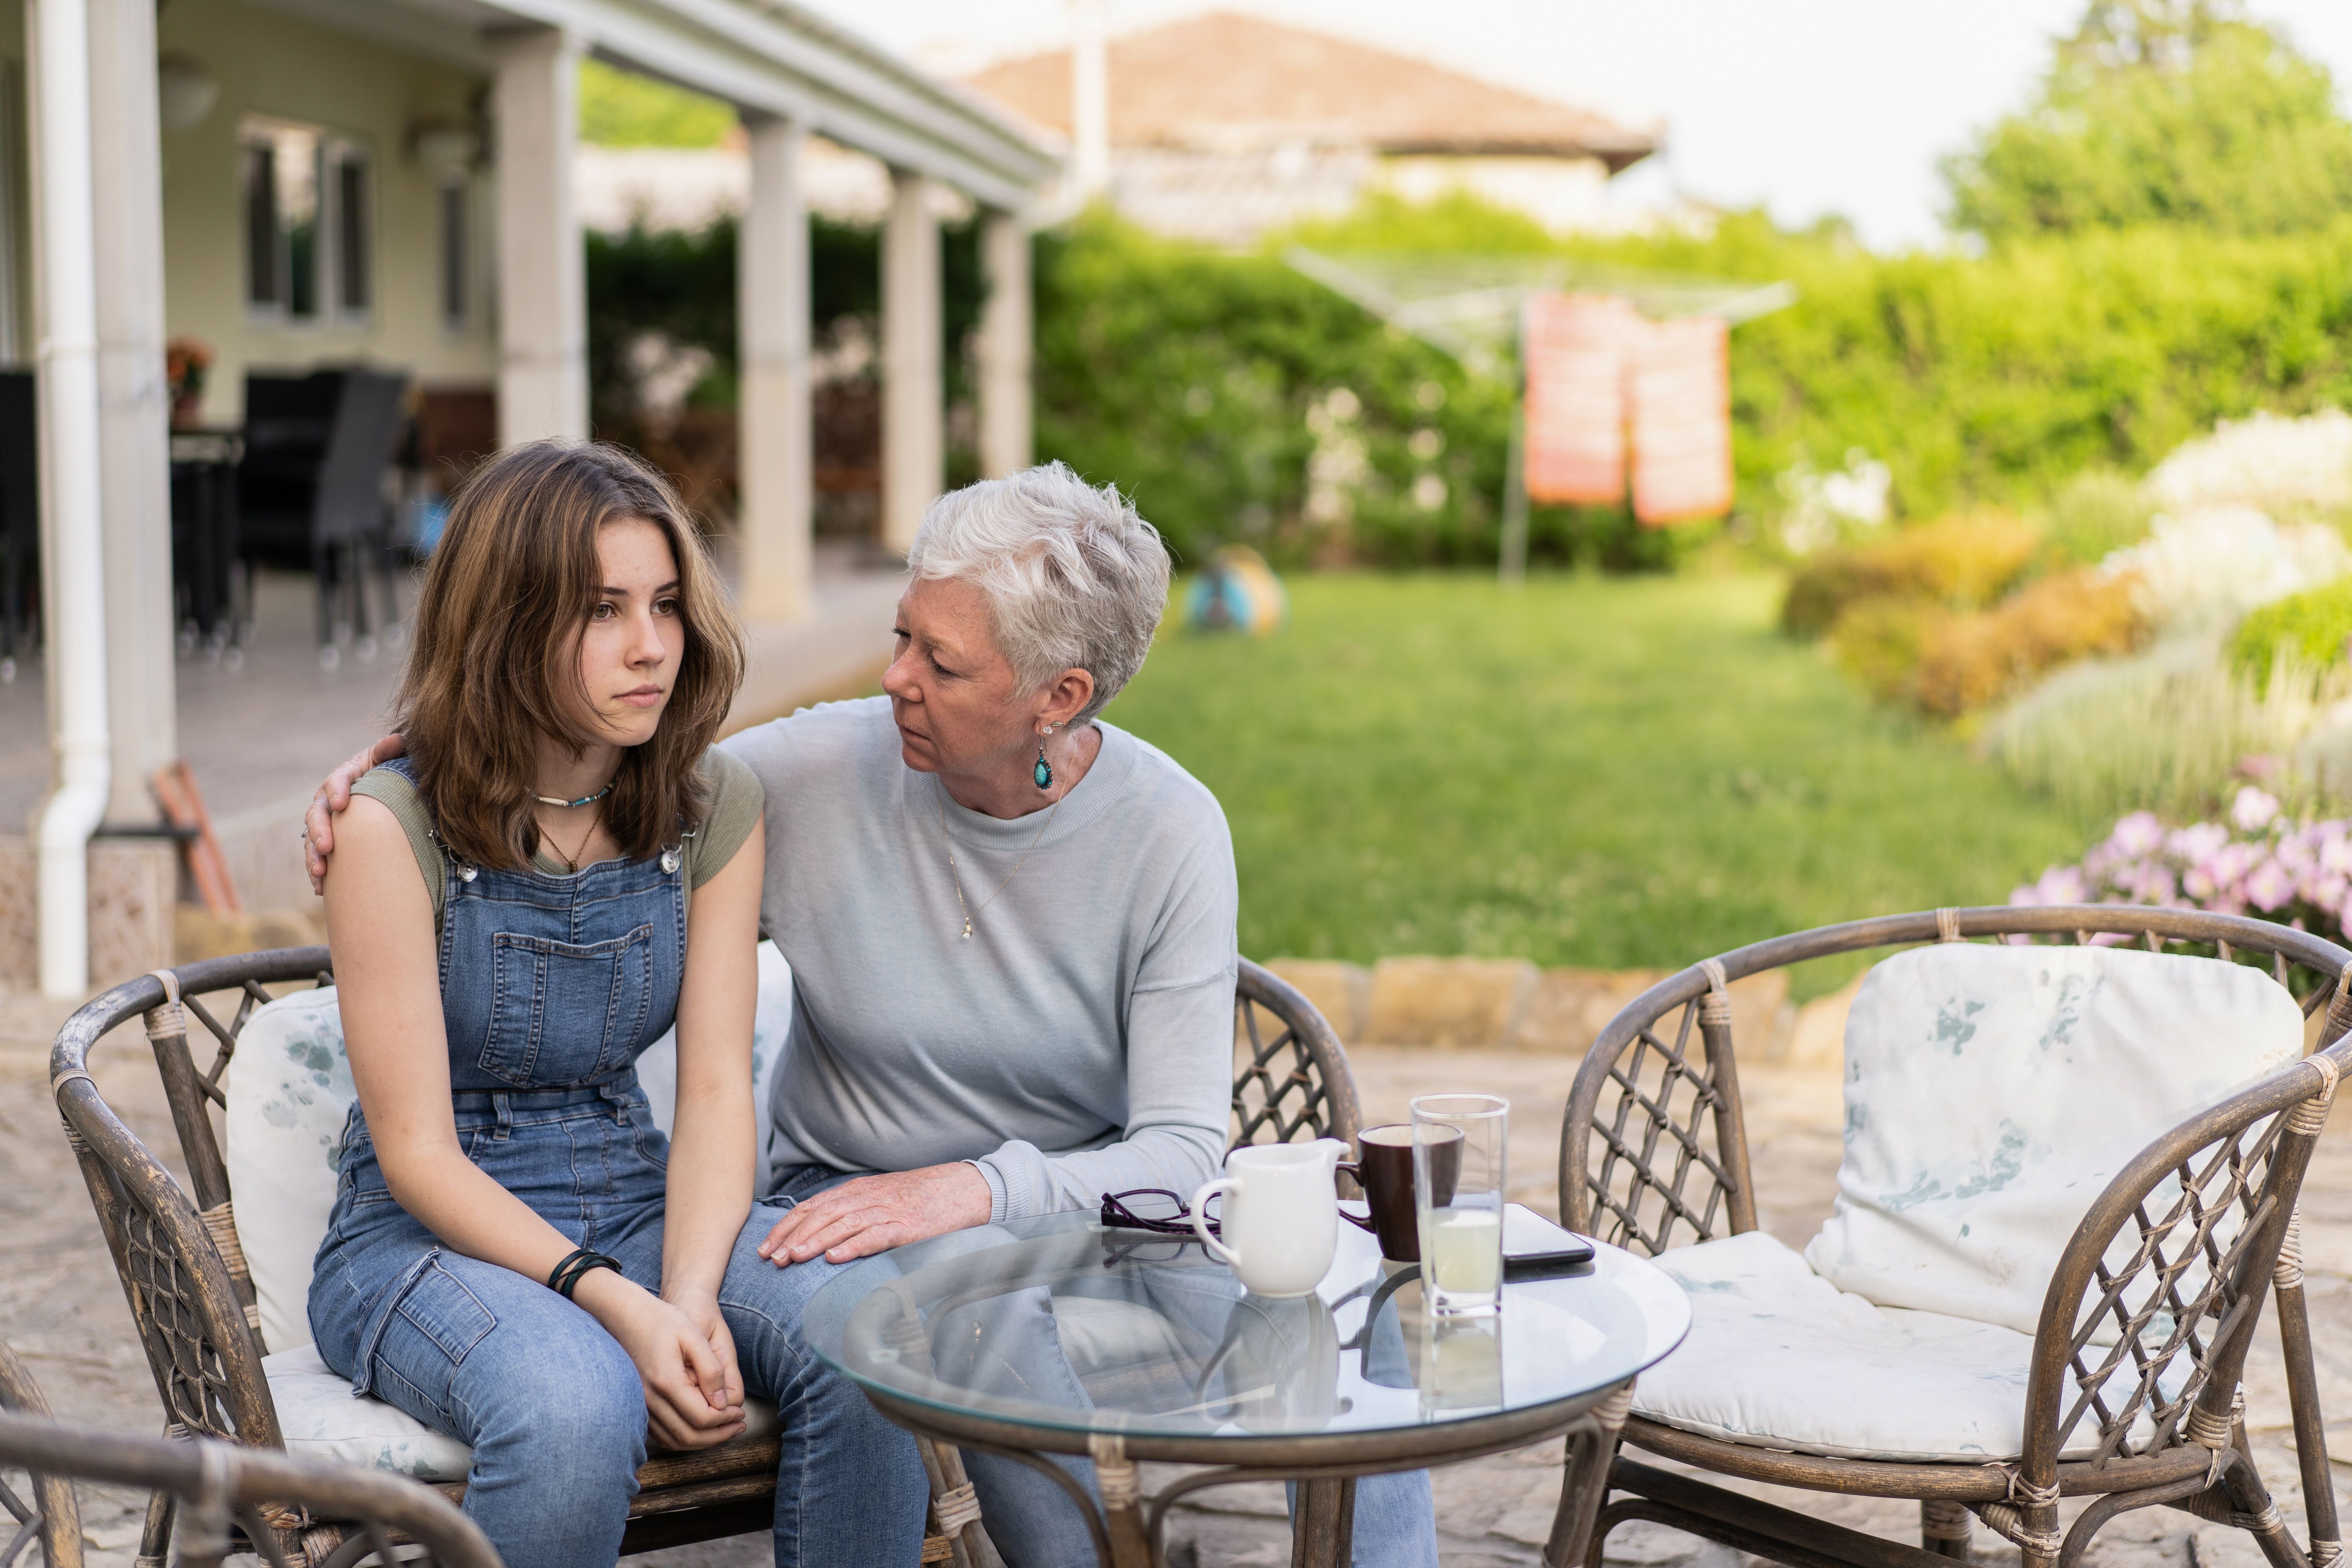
column 1044, row 772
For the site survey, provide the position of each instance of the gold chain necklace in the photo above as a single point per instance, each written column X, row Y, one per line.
column 969, row 912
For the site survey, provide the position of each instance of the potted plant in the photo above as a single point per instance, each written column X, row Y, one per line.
column 186, row 363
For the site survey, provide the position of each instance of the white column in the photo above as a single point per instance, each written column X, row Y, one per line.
column 1089, row 99
column 777, row 446
column 1005, row 444
column 73, row 566
column 542, row 281
column 914, row 436
column 134, row 444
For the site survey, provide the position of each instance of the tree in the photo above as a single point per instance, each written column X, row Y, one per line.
column 2163, row 112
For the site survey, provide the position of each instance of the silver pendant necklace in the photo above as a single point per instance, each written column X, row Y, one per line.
column 969, row 912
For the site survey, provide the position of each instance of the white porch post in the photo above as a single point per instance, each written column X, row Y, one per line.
column 777, row 445
column 914, row 436
column 73, row 567
column 134, row 413
column 1005, row 414
column 542, row 278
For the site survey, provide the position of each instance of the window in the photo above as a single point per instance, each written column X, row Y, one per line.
column 456, row 253
column 351, row 213
column 309, row 225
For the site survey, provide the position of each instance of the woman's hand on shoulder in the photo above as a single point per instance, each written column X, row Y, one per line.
column 875, row 1214
column 683, row 1356
column 331, row 799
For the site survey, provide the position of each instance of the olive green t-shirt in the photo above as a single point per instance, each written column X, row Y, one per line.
column 736, row 802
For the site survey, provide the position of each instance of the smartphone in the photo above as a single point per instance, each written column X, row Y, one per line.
column 1534, row 1247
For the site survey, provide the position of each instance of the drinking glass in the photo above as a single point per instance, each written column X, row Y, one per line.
column 1457, row 1198
column 1461, row 1364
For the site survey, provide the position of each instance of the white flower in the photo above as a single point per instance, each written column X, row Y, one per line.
column 1825, row 508
column 2281, row 466
column 2207, row 567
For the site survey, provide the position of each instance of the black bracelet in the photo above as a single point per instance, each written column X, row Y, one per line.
column 577, row 1263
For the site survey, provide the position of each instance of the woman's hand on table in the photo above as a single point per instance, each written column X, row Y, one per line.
column 684, row 1355
column 875, row 1214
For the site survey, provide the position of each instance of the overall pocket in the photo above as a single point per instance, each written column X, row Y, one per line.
column 562, row 1012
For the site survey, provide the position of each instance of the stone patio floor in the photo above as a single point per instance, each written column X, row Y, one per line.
column 61, row 1307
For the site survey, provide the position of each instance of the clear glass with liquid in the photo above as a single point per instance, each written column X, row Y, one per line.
column 1459, row 1149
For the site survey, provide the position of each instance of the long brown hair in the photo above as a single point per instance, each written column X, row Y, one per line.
column 506, row 601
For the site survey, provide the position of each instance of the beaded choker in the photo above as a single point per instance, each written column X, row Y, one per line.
column 583, row 800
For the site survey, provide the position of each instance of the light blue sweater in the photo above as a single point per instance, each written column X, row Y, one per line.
column 1079, row 1042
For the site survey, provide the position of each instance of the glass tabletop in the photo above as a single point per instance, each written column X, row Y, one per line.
column 1059, row 1322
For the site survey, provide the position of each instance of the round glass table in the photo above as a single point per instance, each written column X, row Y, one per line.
column 1059, row 1335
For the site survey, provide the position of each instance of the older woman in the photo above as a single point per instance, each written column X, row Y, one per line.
column 1011, row 928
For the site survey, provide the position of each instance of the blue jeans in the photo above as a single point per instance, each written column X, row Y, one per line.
column 1030, row 1520
column 552, row 1404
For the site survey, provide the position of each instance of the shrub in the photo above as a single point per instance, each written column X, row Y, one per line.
column 1880, row 642
column 1997, row 378
column 2310, row 626
column 2093, row 515
column 1959, row 563
column 2168, row 730
column 1972, row 661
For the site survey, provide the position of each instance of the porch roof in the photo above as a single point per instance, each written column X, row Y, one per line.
column 767, row 57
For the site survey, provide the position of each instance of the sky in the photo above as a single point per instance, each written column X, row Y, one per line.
column 1807, row 107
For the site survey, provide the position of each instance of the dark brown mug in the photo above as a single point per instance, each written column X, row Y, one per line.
column 1383, row 1167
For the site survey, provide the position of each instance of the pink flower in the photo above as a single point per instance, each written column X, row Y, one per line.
column 2270, row 885
column 2253, row 809
column 2137, row 834
column 2335, row 848
column 2062, row 885
column 2328, row 890
column 2198, row 841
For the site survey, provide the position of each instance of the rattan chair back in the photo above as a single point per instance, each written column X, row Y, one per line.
column 1291, row 1079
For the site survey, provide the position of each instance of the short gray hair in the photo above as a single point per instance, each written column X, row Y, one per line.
column 1074, row 576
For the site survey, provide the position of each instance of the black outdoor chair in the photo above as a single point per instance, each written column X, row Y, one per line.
column 20, row 521
column 310, row 487
column 205, row 601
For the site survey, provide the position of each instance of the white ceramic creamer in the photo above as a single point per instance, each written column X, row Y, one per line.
column 1280, row 1220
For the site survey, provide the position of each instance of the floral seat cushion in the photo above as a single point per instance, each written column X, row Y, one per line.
column 1991, row 1094
column 290, row 1090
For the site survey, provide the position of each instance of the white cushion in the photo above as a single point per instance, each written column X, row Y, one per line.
column 771, row 1021
column 322, row 1421
column 288, row 1089
column 1780, row 1358
column 1991, row 1094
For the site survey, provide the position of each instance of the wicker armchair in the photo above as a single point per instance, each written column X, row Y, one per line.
column 222, row 1489
column 192, row 1296
column 2148, row 1320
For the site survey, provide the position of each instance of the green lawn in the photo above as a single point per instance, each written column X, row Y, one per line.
column 1611, row 772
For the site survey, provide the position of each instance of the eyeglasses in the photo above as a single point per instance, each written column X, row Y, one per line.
column 1154, row 1209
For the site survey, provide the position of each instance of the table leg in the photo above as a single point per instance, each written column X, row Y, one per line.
column 1122, row 1504
column 1323, row 1524
column 1584, row 1483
